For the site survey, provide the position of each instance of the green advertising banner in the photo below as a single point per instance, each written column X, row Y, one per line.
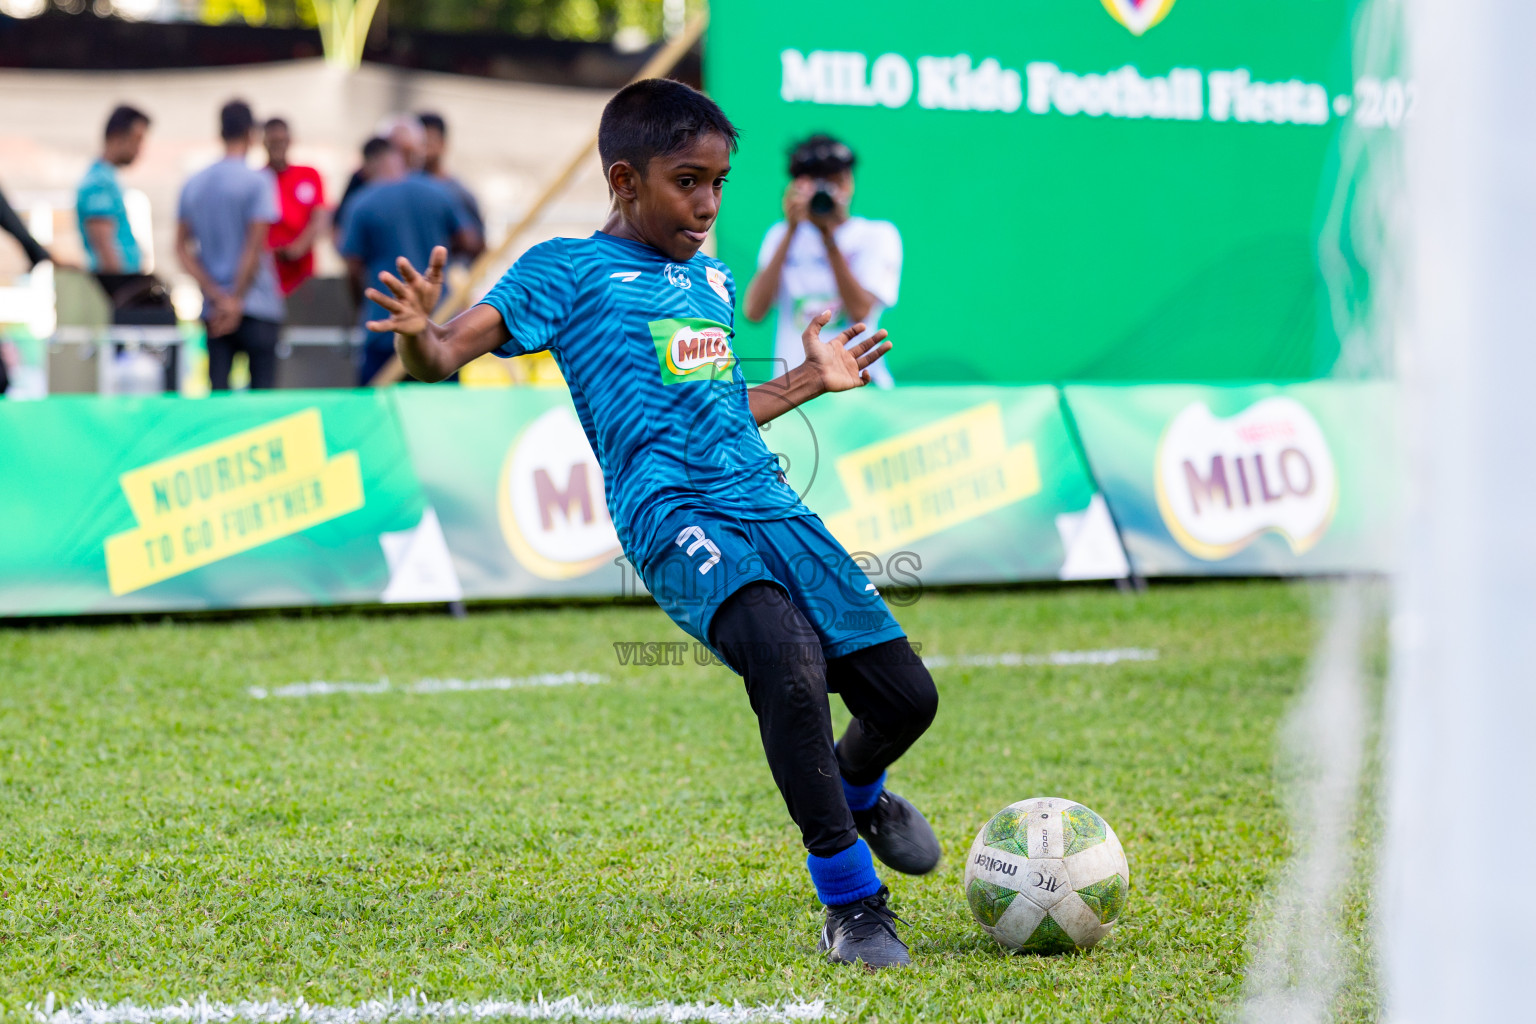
column 1122, row 189
column 951, row 484
column 1255, row 480
column 425, row 494
column 137, row 504
column 511, row 478
column 936, row 485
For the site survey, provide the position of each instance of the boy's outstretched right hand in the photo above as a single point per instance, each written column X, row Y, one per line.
column 414, row 296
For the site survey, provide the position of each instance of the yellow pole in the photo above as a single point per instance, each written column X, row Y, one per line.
column 344, row 29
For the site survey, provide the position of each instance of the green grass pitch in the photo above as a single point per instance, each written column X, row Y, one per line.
column 167, row 835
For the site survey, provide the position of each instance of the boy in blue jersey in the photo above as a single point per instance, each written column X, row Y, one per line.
column 639, row 323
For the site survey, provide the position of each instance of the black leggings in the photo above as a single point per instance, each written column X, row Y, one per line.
column 891, row 695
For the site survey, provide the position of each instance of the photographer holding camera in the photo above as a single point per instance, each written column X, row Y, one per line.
column 820, row 257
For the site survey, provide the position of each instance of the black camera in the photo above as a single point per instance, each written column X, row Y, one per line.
column 823, row 201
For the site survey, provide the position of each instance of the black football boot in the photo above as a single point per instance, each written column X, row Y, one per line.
column 864, row 932
column 899, row 835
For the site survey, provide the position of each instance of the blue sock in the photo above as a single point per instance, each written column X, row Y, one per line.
column 844, row 877
column 862, row 798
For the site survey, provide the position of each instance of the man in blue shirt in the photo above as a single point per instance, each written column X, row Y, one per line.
column 375, row 153
column 111, row 250
column 398, row 214
column 222, row 222
column 110, row 247
column 433, row 154
column 640, row 323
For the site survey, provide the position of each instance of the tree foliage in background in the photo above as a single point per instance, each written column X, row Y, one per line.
column 585, row 20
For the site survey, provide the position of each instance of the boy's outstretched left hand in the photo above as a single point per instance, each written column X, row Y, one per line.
column 415, row 295
column 841, row 368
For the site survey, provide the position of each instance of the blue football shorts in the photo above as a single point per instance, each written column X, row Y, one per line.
column 700, row 558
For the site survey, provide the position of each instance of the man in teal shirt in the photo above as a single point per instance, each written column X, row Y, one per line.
column 109, row 243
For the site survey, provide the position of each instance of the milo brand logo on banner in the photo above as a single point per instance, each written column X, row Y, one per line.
column 1223, row 482
column 550, row 500
column 691, row 349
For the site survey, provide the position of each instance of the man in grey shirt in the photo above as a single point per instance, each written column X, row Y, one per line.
column 221, row 234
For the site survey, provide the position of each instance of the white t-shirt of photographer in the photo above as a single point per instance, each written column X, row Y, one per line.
column 807, row 286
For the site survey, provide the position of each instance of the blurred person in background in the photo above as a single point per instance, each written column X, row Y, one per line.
column 397, row 214
column 410, row 137
column 405, row 133
column 434, row 166
column 821, row 257
column 223, row 219
column 375, row 151
column 11, row 223
column 301, row 210
column 110, row 247
column 111, row 251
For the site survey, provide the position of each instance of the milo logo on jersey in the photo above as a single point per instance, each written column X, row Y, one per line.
column 690, row 350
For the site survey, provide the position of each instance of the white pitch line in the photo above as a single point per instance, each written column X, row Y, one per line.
column 415, row 1007
column 1014, row 660
column 325, row 688
column 322, row 688
column 1296, row 967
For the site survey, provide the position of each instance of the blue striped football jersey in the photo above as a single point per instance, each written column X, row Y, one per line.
column 645, row 347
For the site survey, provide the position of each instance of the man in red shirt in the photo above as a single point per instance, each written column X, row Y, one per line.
column 301, row 205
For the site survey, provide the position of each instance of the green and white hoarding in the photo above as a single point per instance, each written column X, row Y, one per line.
column 929, row 486
column 147, row 504
column 422, row 494
column 1086, row 190
column 1244, row 480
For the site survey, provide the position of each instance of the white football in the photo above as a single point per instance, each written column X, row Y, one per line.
column 1047, row 875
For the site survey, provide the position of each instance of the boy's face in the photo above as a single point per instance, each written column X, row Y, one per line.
column 675, row 202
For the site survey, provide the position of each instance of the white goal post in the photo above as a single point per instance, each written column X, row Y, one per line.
column 1457, row 901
